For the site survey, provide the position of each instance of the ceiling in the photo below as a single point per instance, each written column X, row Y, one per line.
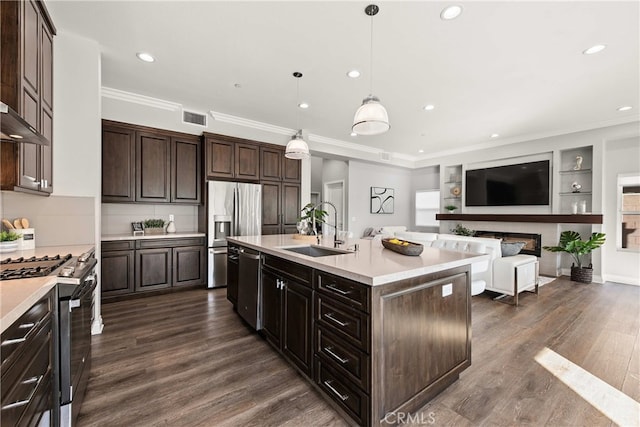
column 511, row 68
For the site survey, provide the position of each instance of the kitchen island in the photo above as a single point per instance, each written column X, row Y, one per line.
column 377, row 332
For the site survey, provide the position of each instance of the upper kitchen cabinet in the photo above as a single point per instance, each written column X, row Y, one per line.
column 26, row 86
column 147, row 165
column 274, row 166
column 231, row 158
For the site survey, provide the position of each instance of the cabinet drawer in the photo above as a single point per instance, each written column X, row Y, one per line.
column 344, row 358
column 345, row 322
column 119, row 245
column 292, row 269
column 349, row 397
column 18, row 335
column 344, row 290
column 22, row 385
column 169, row 243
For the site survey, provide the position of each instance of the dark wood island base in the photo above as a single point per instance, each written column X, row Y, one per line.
column 378, row 353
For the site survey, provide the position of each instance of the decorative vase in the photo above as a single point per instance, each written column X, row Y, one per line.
column 171, row 228
column 6, row 247
column 582, row 274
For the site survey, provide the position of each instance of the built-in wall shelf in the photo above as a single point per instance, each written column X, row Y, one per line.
column 576, row 193
column 541, row 218
column 575, row 172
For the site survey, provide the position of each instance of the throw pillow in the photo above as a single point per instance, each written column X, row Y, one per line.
column 511, row 248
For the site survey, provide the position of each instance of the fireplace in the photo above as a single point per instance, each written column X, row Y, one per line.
column 533, row 241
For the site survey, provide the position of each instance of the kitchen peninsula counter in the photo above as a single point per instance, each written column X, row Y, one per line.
column 371, row 265
column 378, row 333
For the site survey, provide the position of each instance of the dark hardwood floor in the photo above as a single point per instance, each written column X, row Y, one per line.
column 186, row 359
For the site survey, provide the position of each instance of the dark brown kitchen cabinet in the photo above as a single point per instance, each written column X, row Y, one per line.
column 186, row 170
column 280, row 207
column 118, row 164
column 274, row 166
column 26, row 378
column 231, row 158
column 147, row 165
column 153, row 167
column 153, row 269
column 137, row 266
column 287, row 310
column 189, row 265
column 118, row 268
column 26, row 86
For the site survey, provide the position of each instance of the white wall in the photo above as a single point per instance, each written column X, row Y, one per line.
column 363, row 176
column 621, row 156
column 77, row 136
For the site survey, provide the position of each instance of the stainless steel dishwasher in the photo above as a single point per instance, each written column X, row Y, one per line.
column 249, row 288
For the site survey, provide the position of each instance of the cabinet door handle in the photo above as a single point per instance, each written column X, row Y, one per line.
column 31, row 327
column 332, row 286
column 342, row 397
column 35, row 380
column 330, row 317
column 338, row 358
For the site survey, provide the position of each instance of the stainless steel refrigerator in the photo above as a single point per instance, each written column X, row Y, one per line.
column 234, row 209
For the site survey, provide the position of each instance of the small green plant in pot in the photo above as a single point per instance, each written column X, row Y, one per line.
column 461, row 230
column 9, row 236
column 571, row 243
column 308, row 214
column 154, row 226
column 451, row 208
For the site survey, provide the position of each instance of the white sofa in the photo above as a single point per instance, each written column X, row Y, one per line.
column 483, row 272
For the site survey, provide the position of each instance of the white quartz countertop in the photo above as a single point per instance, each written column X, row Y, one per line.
column 372, row 264
column 115, row 237
column 18, row 295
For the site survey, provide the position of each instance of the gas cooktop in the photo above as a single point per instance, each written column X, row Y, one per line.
column 22, row 268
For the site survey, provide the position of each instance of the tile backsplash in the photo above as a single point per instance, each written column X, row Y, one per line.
column 57, row 220
column 117, row 217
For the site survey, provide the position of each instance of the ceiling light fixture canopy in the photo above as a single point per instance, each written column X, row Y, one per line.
column 371, row 118
column 297, row 148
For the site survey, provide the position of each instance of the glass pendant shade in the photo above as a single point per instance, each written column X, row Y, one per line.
column 297, row 148
column 371, row 118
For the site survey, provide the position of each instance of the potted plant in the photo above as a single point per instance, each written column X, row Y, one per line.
column 451, row 208
column 308, row 213
column 571, row 243
column 8, row 241
column 460, row 230
column 154, row 226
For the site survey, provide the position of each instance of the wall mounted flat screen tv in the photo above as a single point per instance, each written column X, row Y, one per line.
column 521, row 184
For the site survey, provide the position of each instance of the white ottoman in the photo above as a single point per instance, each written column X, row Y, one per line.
column 514, row 274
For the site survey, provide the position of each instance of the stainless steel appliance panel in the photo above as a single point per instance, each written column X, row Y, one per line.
column 249, row 287
column 234, row 209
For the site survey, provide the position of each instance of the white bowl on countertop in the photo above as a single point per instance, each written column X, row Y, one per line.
column 6, row 247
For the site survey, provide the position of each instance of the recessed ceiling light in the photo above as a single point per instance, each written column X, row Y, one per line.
column 146, row 57
column 428, row 107
column 354, row 74
column 495, row 135
column 354, row 134
column 625, row 108
column 421, row 151
column 594, row 49
column 303, row 105
column 450, row 12
column 15, row 136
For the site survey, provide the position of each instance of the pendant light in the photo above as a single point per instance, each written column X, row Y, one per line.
column 297, row 148
column 371, row 118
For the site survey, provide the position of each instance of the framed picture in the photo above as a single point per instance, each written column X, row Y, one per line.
column 381, row 200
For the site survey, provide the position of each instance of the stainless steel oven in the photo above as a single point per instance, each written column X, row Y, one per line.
column 76, row 286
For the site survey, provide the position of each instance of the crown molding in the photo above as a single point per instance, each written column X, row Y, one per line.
column 135, row 98
column 254, row 124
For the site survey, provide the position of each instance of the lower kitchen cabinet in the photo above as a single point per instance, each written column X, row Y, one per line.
column 287, row 310
column 27, row 374
column 136, row 266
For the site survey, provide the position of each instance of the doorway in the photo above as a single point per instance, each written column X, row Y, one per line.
column 334, row 193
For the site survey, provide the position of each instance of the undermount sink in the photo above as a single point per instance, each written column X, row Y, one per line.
column 316, row 251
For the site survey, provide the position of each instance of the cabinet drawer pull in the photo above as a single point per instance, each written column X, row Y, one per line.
column 330, row 317
column 31, row 327
column 342, row 397
column 28, row 399
column 338, row 290
column 338, row 358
